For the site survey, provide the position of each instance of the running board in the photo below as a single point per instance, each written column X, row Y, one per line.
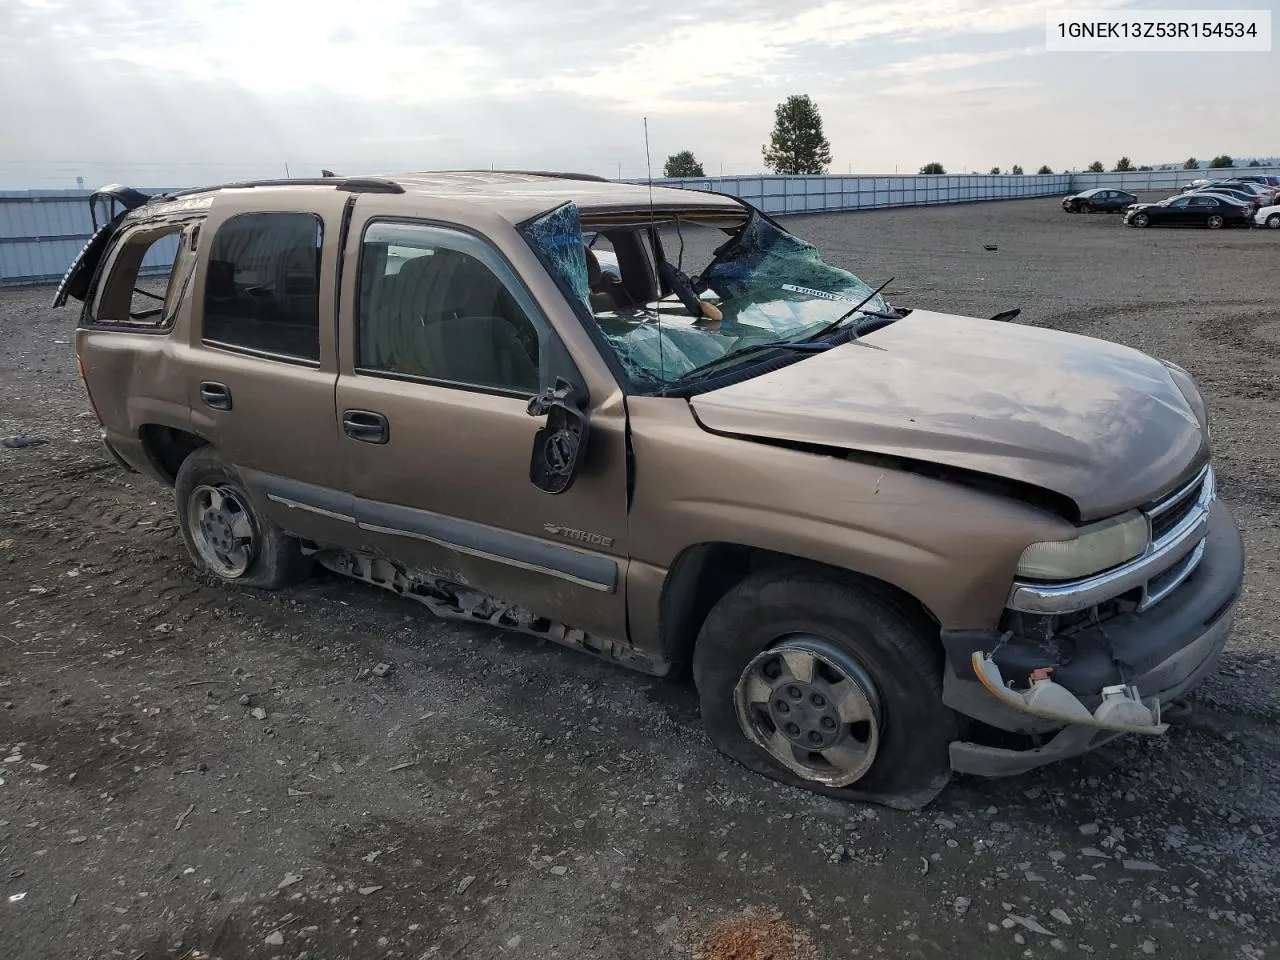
column 1122, row 709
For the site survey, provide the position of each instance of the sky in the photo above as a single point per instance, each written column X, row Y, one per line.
column 166, row 93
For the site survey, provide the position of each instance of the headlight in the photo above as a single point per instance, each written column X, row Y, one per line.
column 1097, row 547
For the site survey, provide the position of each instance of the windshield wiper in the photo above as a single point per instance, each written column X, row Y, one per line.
column 849, row 313
column 800, row 346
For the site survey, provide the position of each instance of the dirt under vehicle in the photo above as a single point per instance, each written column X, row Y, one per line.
column 891, row 543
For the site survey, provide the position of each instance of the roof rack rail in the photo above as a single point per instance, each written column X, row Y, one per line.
column 550, row 174
column 350, row 184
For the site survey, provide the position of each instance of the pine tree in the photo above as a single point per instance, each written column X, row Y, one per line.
column 797, row 144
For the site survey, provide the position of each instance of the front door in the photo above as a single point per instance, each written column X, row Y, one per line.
column 262, row 366
column 443, row 346
column 1178, row 212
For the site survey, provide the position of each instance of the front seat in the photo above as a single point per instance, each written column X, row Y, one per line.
column 607, row 292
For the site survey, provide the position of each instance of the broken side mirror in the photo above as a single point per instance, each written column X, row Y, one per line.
column 559, row 444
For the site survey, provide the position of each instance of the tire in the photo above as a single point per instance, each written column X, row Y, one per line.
column 887, row 653
column 1273, row 221
column 1140, row 220
column 1086, row 208
column 225, row 535
column 1215, row 222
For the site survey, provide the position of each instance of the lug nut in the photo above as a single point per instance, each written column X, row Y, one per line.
column 794, row 693
column 782, row 707
column 818, row 700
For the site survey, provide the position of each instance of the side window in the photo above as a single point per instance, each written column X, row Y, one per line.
column 430, row 307
column 262, row 287
column 145, row 271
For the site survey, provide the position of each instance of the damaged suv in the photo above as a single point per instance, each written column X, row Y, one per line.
column 655, row 426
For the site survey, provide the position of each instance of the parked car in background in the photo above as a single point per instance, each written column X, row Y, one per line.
column 1268, row 217
column 1243, row 197
column 1265, row 193
column 1098, row 200
column 1260, row 192
column 1267, row 179
column 1190, row 210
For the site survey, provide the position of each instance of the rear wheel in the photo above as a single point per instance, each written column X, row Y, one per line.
column 225, row 535
column 1273, row 221
column 1215, row 221
column 828, row 686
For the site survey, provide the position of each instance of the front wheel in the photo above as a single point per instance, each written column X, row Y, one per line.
column 1140, row 220
column 828, row 686
column 225, row 535
column 1086, row 208
column 1215, row 222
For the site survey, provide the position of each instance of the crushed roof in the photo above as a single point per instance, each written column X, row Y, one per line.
column 519, row 196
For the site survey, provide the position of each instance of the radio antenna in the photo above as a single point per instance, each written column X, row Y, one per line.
column 653, row 239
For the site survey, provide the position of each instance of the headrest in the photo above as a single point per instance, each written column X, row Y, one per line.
column 593, row 267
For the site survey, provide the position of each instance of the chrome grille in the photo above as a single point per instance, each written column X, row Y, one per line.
column 1176, row 521
column 1172, row 510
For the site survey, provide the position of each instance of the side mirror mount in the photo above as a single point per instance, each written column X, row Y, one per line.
column 559, row 444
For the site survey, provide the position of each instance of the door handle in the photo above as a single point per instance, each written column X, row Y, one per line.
column 366, row 426
column 215, row 395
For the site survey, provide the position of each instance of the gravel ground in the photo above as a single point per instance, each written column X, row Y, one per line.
column 190, row 771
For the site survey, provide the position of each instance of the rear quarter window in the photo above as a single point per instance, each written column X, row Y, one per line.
column 145, row 274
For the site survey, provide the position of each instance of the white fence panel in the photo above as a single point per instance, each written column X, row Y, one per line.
column 42, row 230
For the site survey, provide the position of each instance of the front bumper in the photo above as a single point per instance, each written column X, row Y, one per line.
column 1165, row 652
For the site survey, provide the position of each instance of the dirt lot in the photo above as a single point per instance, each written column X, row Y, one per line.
column 186, row 767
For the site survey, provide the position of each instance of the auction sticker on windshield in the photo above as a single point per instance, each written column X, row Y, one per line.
column 821, row 294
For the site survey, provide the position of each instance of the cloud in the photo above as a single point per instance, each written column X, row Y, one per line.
column 189, row 91
column 960, row 60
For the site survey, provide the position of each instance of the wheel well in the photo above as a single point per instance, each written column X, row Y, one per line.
column 705, row 572
column 167, row 447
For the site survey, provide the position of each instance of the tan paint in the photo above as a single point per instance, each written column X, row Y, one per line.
column 465, row 454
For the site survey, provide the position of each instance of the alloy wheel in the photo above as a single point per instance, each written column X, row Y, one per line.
column 222, row 530
column 813, row 708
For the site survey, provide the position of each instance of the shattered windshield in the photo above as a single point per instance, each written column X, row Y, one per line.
column 763, row 285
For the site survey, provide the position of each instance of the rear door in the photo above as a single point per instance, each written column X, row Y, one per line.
column 261, row 368
column 443, row 346
column 1199, row 210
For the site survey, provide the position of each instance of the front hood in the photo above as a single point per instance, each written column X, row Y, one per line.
column 1099, row 423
